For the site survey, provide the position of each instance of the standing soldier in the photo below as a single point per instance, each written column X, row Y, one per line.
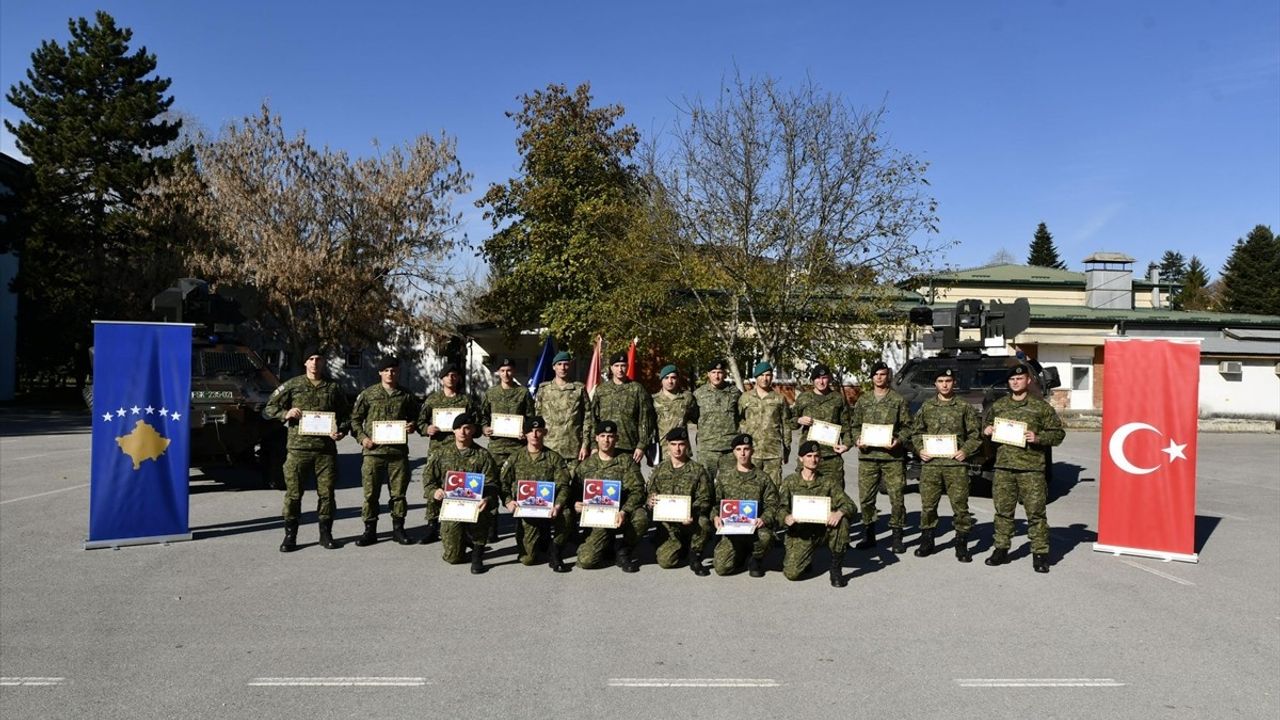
column 384, row 401
column 805, row 538
column 310, row 454
column 564, row 404
column 745, row 481
column 766, row 417
column 537, row 463
column 677, row 474
column 1020, row 471
column 827, row 405
column 462, row 455
column 881, row 406
column 606, row 463
column 945, row 415
column 627, row 404
column 508, row 398
column 716, row 405
column 450, row 397
column 671, row 408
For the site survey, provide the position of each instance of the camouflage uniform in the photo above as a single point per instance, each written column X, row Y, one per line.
column 435, row 401
column 946, row 417
column 716, row 416
column 1020, row 472
column 546, row 466
column 803, row 539
column 506, row 401
column 628, row 405
column 593, row 551
column 879, row 464
column 733, row 484
column 673, row 538
column 450, row 458
column 567, row 411
column 374, row 404
column 309, row 453
column 827, row 408
column 672, row 410
column 768, row 421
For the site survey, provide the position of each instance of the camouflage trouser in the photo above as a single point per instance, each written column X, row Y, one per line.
column 732, row 550
column 594, row 549
column 299, row 463
column 870, row 474
column 956, row 479
column 1028, row 487
column 803, row 540
column 533, row 533
column 713, row 459
column 675, row 540
column 832, row 467
column 771, row 467
column 453, row 534
column 396, row 470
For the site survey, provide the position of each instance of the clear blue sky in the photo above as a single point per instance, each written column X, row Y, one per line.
column 1127, row 126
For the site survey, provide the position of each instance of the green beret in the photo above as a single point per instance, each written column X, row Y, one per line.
column 761, row 368
column 667, row 370
column 562, row 356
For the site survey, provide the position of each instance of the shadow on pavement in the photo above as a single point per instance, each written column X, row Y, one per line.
column 21, row 422
column 1065, row 478
column 1205, row 525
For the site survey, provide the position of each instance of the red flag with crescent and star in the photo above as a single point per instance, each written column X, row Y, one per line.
column 1150, row 411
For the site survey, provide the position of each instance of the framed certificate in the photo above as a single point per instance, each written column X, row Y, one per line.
column 443, row 417
column 824, row 432
column 1009, row 432
column 533, row 512
column 877, row 435
column 535, row 498
column 390, row 432
column 460, row 510
column 314, row 422
column 508, row 426
column 738, row 517
column 736, row 529
column 672, row 508
column 939, row 445
column 810, row 508
column 599, row 516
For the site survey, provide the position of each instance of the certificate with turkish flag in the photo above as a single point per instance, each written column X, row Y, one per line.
column 535, row 498
column 1150, row 410
column 738, row 517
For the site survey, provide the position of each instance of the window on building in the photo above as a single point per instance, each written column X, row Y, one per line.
column 1081, row 369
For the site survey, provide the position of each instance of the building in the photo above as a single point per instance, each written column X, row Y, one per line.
column 14, row 175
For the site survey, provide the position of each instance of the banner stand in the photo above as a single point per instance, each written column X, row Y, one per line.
column 161, row 539
column 1157, row 554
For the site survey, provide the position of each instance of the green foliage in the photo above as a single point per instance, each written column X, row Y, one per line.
column 1173, row 267
column 1251, row 277
column 1043, row 253
column 1195, row 294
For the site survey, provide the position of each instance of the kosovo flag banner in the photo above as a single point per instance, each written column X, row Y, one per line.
column 141, row 433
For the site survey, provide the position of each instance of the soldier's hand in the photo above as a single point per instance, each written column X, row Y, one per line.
column 511, row 505
column 861, row 445
column 959, row 456
column 652, row 499
column 438, row 494
column 687, row 522
column 925, row 457
column 834, row 518
column 432, row 430
column 894, row 444
column 582, row 453
column 293, row 414
column 716, row 521
column 488, row 431
column 788, row 521
column 484, row 503
column 988, row 430
column 337, row 435
column 804, row 420
column 555, row 511
column 577, row 507
column 622, row 515
column 1031, row 437
column 759, row 523
column 367, row 443
column 412, row 427
column 637, row 454
column 841, row 449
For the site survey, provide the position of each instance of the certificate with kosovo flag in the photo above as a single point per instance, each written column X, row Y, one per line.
column 535, row 498
column 738, row 517
column 141, row 432
column 463, row 493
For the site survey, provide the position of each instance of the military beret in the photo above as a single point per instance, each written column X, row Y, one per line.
column 761, row 368
column 606, row 427
column 388, row 361
column 1018, row 370
column 818, row 371
column 616, row 358
column 463, row 419
column 505, row 362
column 314, row 349
column 449, row 368
column 742, row 439
column 677, row 434
column 561, row 356
column 878, row 367
column 667, row 370
column 806, row 447
column 718, row 365
column 944, row 373
column 533, row 423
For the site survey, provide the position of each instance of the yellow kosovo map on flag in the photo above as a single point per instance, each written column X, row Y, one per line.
column 144, row 443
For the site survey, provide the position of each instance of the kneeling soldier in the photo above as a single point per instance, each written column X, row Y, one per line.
column 381, row 402
column 745, row 481
column 608, row 464
column 678, row 475
column 531, row 464
column 462, row 455
column 803, row 538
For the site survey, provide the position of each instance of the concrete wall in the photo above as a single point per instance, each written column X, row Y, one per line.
column 1254, row 392
column 1035, row 296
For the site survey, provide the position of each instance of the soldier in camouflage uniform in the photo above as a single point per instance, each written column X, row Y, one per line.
column 677, row 474
column 881, row 406
column 745, row 481
column 462, row 455
column 564, row 404
column 672, row 409
column 608, row 464
column 1020, row 471
column 384, row 401
column 537, row 463
column 450, row 397
column 508, row 397
column 626, row 403
column 946, row 415
column 310, row 453
column 766, row 417
column 716, row 415
column 828, row 405
column 803, row 539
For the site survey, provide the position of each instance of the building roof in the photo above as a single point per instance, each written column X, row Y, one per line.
column 1041, row 314
column 1108, row 257
column 1010, row 274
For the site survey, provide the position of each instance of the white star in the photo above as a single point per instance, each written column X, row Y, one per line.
column 176, row 416
column 134, row 410
column 106, row 417
column 1174, row 451
column 150, row 410
column 120, row 412
column 164, row 411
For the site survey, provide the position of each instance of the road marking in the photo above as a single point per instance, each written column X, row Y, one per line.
column 694, row 682
column 30, row 681
column 51, row 452
column 1157, row 573
column 49, row 492
column 338, row 682
column 1036, row 682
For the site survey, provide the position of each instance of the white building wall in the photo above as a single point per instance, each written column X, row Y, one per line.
column 1255, row 392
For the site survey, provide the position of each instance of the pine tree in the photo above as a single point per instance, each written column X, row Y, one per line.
column 1173, row 267
column 1043, row 252
column 1251, row 277
column 1194, row 294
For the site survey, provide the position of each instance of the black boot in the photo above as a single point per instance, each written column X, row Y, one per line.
column 837, row 575
column 326, row 536
column 1040, row 563
column 695, row 564
column 926, row 544
column 370, row 535
column 868, row 540
column 999, row 556
column 897, row 547
column 962, row 549
column 431, row 533
column 477, row 559
column 755, row 568
column 493, row 530
column 554, row 560
column 625, row 562
column 397, row 532
column 290, row 536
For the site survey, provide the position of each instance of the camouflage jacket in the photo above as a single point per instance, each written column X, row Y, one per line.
column 827, row 408
column 954, row 417
column 448, row 458
column 716, row 415
column 1040, row 418
column 768, row 420
column 546, row 466
column 689, row 479
column 888, row 410
column 374, row 404
column 506, row 401
column 301, row 393
column 629, row 406
column 733, row 484
column 439, row 401
column 795, row 484
column 672, row 411
column 619, row 467
column 568, row 414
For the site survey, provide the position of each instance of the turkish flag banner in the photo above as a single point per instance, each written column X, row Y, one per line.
column 1150, row 410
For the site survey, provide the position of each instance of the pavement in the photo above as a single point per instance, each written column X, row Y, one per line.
column 225, row 626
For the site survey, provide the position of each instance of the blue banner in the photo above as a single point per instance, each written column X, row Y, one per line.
column 141, row 433
column 543, row 371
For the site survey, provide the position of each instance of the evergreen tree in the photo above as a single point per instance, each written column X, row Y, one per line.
column 1173, row 267
column 1195, row 294
column 1043, row 253
column 1251, row 277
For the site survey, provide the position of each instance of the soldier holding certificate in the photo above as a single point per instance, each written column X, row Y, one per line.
column 745, row 481
column 526, row 476
column 879, row 423
column 317, row 414
column 948, row 426
column 435, row 421
column 462, row 455
column 826, row 407
column 806, row 534
column 380, row 412
column 503, row 413
column 606, row 463
column 678, row 476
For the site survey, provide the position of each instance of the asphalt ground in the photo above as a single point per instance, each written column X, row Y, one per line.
column 227, row 627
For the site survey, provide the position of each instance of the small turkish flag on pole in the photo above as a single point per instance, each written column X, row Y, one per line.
column 1150, row 411
column 631, row 359
column 593, row 371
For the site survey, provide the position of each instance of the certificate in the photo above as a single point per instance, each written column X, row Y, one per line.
column 736, row 529
column 599, row 516
column 810, row 508
column 672, row 508
column 1010, row 432
column 390, row 432
column 443, row 417
column 824, row 432
column 317, row 423
column 738, row 517
column 943, row 446
column 535, row 498
column 877, row 435
column 460, row 510
column 508, row 426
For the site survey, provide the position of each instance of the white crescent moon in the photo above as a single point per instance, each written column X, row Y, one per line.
column 1116, row 448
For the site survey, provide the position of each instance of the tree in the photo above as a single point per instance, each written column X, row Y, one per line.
column 345, row 252
column 1002, row 257
column 1173, row 267
column 1195, row 294
column 96, row 135
column 1043, row 253
column 1251, row 277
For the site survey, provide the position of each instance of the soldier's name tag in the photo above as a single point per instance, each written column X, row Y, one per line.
column 507, row 426
column 877, row 435
column 825, row 433
column 672, row 508
column 810, row 508
column 443, row 417
column 390, row 432
column 317, row 423
column 1009, row 432
column 460, row 510
column 940, row 445
column 599, row 516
